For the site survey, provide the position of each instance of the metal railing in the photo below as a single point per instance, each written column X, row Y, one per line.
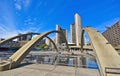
column 112, row 70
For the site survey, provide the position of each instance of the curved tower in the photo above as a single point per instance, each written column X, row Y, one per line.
column 78, row 27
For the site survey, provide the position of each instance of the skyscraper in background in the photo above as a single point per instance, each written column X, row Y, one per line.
column 59, row 38
column 76, row 30
column 73, row 33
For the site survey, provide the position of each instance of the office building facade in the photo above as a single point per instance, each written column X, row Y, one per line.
column 112, row 34
column 59, row 38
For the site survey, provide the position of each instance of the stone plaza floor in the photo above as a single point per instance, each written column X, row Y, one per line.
column 49, row 70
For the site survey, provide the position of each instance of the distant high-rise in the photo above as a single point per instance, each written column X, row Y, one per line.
column 112, row 34
column 59, row 38
column 76, row 29
column 73, row 33
column 47, row 41
column 25, row 37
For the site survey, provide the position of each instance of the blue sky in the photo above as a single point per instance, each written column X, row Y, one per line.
column 21, row 16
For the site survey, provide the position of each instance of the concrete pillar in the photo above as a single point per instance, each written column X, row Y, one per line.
column 38, row 59
column 66, row 35
column 72, row 33
column 54, row 59
column 84, row 62
column 57, row 35
column 74, row 62
column 78, row 61
column 78, row 27
column 67, row 60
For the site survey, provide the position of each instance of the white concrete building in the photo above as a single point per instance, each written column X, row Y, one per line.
column 76, row 30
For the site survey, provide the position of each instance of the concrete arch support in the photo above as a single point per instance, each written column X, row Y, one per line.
column 106, row 55
column 18, row 56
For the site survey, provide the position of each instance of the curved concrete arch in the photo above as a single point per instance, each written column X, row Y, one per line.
column 82, row 39
column 53, row 43
column 9, row 39
column 106, row 55
column 20, row 54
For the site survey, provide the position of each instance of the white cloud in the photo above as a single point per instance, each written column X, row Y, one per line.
column 7, row 21
column 6, row 32
column 18, row 6
column 26, row 3
column 29, row 22
column 8, row 24
column 22, row 4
